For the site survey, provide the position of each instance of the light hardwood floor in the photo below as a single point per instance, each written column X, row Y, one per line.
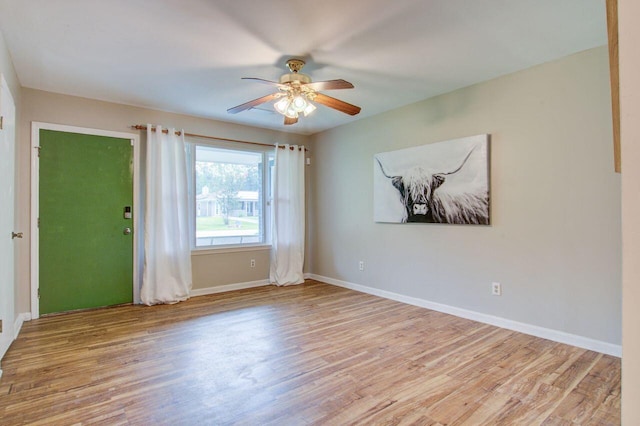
column 309, row 354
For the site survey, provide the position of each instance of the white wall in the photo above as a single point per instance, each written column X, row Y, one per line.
column 554, row 242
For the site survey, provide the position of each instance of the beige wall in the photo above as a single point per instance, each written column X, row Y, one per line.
column 629, row 37
column 554, row 242
column 209, row 270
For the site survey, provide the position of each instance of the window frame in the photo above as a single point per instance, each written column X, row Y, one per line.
column 268, row 157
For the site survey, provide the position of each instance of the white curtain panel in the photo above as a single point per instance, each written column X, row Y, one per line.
column 287, row 248
column 166, row 277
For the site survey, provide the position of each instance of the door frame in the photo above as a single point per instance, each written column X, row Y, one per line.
column 35, row 208
column 8, row 289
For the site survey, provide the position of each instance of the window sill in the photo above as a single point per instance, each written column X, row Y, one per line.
column 229, row 249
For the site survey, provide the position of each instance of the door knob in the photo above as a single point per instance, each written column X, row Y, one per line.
column 126, row 231
column 16, row 235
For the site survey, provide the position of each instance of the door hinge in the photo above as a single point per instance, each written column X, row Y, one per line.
column 1, row 122
column 38, row 148
column 38, row 292
column 38, row 222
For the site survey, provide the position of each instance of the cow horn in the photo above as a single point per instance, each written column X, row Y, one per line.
column 463, row 162
column 382, row 169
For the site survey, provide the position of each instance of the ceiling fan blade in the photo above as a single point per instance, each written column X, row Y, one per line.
column 329, row 85
column 336, row 104
column 263, row 81
column 248, row 105
column 289, row 120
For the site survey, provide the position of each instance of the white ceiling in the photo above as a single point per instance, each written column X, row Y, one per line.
column 187, row 56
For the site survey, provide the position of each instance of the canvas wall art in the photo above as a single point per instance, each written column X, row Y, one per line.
column 443, row 182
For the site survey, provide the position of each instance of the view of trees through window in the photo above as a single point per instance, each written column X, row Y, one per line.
column 229, row 196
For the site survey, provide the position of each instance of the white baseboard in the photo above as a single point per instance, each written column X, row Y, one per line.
column 534, row 330
column 17, row 325
column 4, row 346
column 227, row 287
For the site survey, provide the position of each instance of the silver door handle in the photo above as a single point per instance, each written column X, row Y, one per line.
column 16, row 235
column 126, row 231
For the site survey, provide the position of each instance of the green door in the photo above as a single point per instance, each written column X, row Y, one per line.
column 85, row 254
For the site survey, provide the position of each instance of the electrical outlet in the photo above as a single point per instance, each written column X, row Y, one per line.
column 253, row 263
column 496, row 289
column 361, row 265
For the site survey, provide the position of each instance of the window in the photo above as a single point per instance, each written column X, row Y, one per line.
column 230, row 205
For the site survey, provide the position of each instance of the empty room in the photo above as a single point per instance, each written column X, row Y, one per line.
column 321, row 213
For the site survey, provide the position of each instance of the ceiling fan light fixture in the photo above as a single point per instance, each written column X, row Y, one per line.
column 282, row 105
column 291, row 112
column 299, row 103
column 309, row 109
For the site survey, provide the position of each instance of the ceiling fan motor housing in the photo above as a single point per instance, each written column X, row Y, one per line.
column 295, row 77
column 295, row 65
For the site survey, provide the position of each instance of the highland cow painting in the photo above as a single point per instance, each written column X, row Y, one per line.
column 443, row 182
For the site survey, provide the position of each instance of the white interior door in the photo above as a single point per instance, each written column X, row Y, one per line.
column 7, row 194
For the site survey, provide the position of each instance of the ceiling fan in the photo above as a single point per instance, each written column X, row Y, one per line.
column 297, row 94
